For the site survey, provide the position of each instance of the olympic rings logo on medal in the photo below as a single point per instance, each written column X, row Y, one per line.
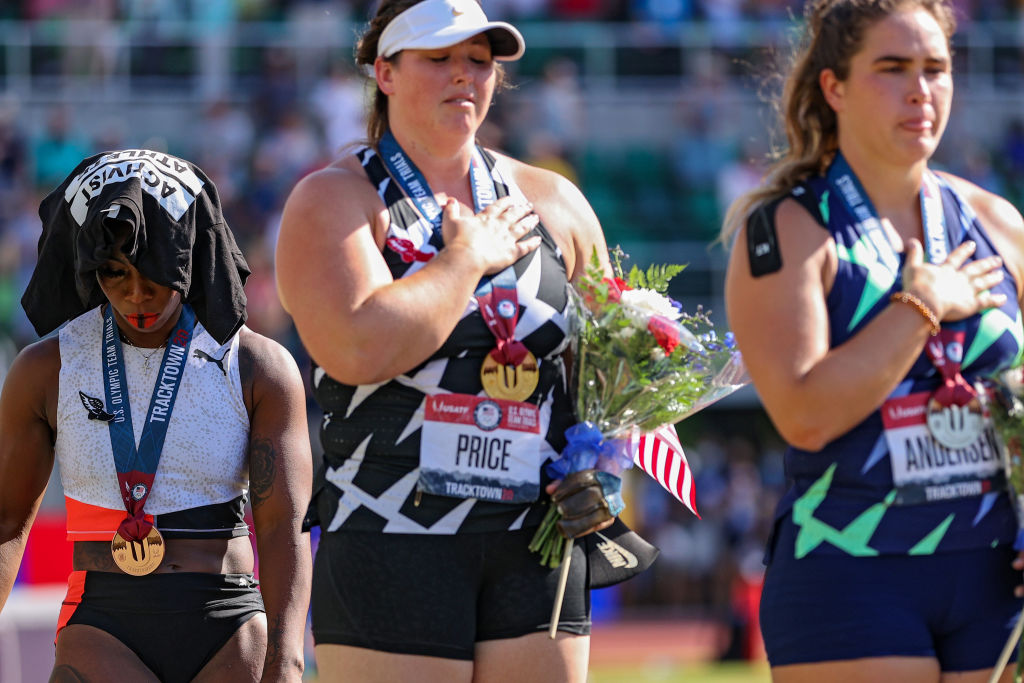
column 487, row 415
column 955, row 351
column 138, row 491
column 506, row 309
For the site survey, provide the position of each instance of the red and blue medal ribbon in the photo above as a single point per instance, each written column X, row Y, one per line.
column 937, row 237
column 499, row 306
column 136, row 466
column 946, row 352
column 496, row 296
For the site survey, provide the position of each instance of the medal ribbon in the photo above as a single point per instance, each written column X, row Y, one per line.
column 499, row 306
column 496, row 296
column 949, row 342
column 136, row 467
column 844, row 183
column 946, row 352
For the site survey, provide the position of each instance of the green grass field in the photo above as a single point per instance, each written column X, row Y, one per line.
column 728, row 672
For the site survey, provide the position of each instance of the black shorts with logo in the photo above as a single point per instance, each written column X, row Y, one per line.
column 174, row 622
column 437, row 595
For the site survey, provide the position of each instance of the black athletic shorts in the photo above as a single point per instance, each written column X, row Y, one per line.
column 174, row 622
column 432, row 595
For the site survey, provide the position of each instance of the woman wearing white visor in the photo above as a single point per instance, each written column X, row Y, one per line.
column 427, row 278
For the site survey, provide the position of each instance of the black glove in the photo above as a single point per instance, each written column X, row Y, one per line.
column 586, row 500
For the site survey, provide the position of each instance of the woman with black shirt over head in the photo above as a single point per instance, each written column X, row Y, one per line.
column 166, row 414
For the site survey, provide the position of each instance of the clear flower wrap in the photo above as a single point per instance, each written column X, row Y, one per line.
column 639, row 363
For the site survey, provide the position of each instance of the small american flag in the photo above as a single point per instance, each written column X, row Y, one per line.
column 660, row 455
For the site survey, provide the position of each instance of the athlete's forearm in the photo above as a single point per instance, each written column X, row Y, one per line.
column 285, row 575
column 10, row 560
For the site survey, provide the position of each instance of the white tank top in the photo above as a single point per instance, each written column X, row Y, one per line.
column 204, row 458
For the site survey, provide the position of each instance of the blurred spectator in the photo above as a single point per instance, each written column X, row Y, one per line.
column 1013, row 148
column 214, row 20
column 277, row 90
column 698, row 149
column 557, row 107
column 286, row 152
column 223, row 144
column 338, row 102
column 741, row 174
column 546, row 151
column 724, row 17
column 57, row 149
column 666, row 12
column 14, row 160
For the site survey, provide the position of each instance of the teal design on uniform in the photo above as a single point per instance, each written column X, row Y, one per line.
column 837, row 504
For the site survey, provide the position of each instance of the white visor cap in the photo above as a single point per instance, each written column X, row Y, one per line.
column 433, row 24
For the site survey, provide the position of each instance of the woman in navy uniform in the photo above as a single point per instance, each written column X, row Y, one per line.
column 868, row 293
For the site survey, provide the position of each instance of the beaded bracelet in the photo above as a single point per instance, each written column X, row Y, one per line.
column 919, row 306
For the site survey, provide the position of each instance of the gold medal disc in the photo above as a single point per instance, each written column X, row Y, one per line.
column 138, row 557
column 510, row 382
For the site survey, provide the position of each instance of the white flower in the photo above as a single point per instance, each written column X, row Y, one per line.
column 649, row 302
column 657, row 353
column 625, row 333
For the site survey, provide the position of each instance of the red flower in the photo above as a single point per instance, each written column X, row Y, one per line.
column 665, row 332
column 616, row 286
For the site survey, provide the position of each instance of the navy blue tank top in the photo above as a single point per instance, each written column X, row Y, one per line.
column 842, row 499
column 371, row 433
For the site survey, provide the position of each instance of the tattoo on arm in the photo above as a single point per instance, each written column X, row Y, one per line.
column 262, row 467
column 274, row 634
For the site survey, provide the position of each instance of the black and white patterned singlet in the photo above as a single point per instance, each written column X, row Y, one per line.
column 371, row 433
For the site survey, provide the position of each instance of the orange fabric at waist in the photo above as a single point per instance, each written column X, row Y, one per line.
column 76, row 586
column 91, row 522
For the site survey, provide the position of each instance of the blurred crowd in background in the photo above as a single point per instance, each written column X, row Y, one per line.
column 258, row 135
column 720, row 12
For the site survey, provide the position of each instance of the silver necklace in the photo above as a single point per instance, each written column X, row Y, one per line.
column 146, row 357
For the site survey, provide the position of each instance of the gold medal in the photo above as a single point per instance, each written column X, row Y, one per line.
column 510, row 382
column 138, row 557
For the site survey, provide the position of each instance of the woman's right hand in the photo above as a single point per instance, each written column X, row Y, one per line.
column 955, row 289
column 496, row 236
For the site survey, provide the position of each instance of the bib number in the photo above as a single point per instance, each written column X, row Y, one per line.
column 925, row 470
column 479, row 447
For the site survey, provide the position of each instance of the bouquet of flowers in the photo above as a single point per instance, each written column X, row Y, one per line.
column 639, row 363
column 1004, row 398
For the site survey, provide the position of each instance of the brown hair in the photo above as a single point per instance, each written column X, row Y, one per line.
column 833, row 33
column 366, row 54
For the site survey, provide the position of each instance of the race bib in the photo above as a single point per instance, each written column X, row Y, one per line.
column 480, row 447
column 924, row 470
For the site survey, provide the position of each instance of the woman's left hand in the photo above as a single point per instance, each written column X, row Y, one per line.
column 581, row 501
